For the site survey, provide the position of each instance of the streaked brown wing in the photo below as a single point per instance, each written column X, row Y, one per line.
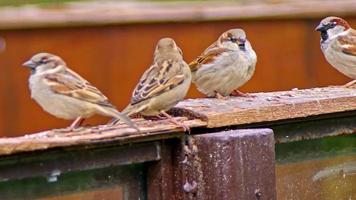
column 159, row 78
column 348, row 43
column 73, row 85
column 208, row 56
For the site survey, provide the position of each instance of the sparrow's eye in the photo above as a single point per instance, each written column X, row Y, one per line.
column 233, row 39
column 331, row 25
column 43, row 61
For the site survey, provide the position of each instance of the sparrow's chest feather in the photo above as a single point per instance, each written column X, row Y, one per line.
column 343, row 62
column 228, row 72
column 235, row 64
column 40, row 91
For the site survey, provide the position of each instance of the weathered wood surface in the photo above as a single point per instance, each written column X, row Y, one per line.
column 203, row 113
column 237, row 164
column 121, row 134
column 103, row 13
column 273, row 106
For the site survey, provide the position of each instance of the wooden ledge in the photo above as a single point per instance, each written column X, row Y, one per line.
column 203, row 113
column 106, row 13
column 271, row 106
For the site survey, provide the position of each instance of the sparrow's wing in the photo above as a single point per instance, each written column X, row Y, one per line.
column 159, row 78
column 73, row 85
column 208, row 56
column 348, row 43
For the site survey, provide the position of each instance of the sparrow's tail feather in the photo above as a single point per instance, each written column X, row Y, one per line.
column 130, row 110
column 120, row 116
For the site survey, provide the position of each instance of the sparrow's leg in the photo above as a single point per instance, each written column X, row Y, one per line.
column 350, row 84
column 220, row 96
column 237, row 93
column 174, row 121
column 73, row 127
column 77, row 122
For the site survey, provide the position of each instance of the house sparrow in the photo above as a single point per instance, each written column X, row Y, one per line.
column 338, row 43
column 163, row 85
column 225, row 65
column 65, row 94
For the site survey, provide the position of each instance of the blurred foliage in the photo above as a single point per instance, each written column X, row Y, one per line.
column 315, row 149
column 71, row 182
column 46, row 2
column 27, row 2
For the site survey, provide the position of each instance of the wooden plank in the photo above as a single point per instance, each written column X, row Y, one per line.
column 121, row 134
column 160, row 174
column 79, row 14
column 200, row 113
column 316, row 128
column 53, row 163
column 272, row 106
column 237, row 164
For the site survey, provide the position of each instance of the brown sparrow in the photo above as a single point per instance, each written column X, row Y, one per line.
column 163, row 85
column 65, row 94
column 225, row 65
column 338, row 43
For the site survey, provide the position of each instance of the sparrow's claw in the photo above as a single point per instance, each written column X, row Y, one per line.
column 350, row 84
column 77, row 122
column 220, row 96
column 174, row 121
column 237, row 93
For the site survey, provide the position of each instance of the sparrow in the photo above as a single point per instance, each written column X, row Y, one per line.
column 225, row 65
column 65, row 94
column 163, row 84
column 338, row 43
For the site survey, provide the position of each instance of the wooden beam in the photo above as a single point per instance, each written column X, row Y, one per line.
column 265, row 108
column 120, row 134
column 53, row 163
column 271, row 106
column 237, row 164
column 106, row 13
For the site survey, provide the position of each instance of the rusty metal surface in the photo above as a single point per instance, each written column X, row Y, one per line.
column 61, row 161
column 236, row 164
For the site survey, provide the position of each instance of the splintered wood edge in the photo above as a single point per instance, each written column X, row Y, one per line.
column 275, row 106
column 120, row 134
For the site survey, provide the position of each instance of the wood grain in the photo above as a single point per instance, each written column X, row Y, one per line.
column 273, row 106
column 203, row 113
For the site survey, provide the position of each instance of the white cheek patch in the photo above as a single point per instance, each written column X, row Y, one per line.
column 232, row 46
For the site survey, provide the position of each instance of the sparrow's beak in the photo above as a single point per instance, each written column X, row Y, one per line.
column 241, row 41
column 29, row 64
column 320, row 27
